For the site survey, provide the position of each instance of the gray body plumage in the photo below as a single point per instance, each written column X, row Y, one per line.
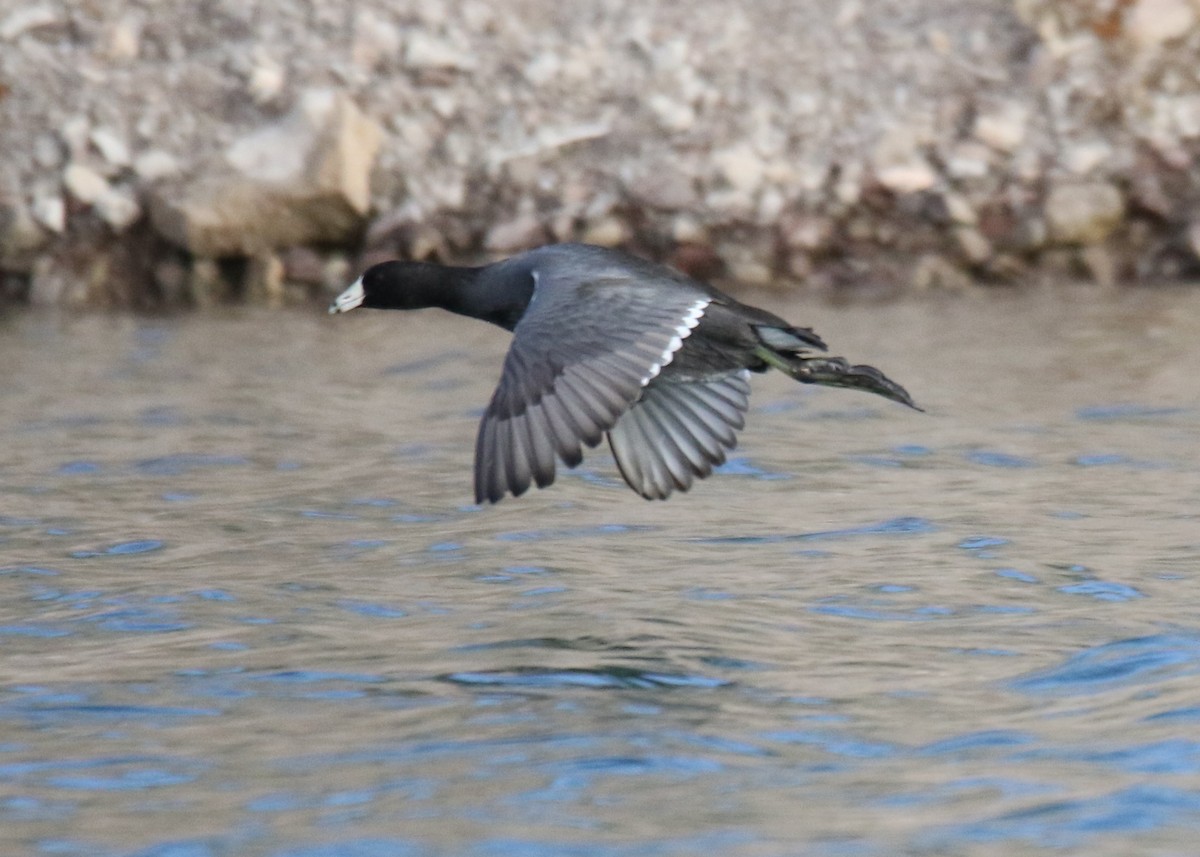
column 609, row 345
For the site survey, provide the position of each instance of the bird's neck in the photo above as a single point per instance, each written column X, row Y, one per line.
column 418, row 285
column 474, row 292
column 479, row 293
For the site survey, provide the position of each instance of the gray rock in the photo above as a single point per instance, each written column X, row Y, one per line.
column 1083, row 213
column 806, row 232
column 647, row 119
column 20, row 236
column 266, row 79
column 304, row 180
column 20, row 21
column 609, row 231
column 935, row 272
column 1150, row 23
column 911, row 177
column 118, row 208
column 660, row 185
column 47, row 151
column 123, row 39
column 520, row 233
column 111, row 147
column 50, row 211
column 427, row 51
column 1087, row 156
column 1193, row 237
column 155, row 164
column 959, row 209
column 1100, row 263
column 1004, row 127
column 84, row 183
column 264, row 281
column 975, row 248
column 742, row 167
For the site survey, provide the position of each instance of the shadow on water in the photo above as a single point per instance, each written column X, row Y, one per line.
column 248, row 609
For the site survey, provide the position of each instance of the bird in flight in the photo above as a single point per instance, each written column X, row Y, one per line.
column 606, row 344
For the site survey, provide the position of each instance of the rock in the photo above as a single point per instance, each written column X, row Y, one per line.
column 376, row 39
column 799, row 265
column 557, row 137
column 749, row 257
column 1007, row 266
column 20, row 236
column 1147, row 191
column 967, row 160
column 520, row 233
column 429, row 52
column 1083, row 158
column 304, row 180
column 1083, row 213
column 21, row 21
column 916, row 175
column 771, row 203
column 1185, row 110
column 959, row 209
column 337, row 273
column 543, row 68
column 74, row 132
column 806, row 232
column 111, row 147
column 742, row 167
column 1193, row 237
column 47, row 152
column 205, row 284
column 975, row 248
column 934, row 272
column 1004, row 127
column 170, row 278
column 607, row 232
column 898, row 161
column 303, row 265
column 266, row 80
column 699, row 261
column 123, row 40
column 48, row 285
column 1150, row 23
column 154, row 165
column 673, row 114
column 661, row 186
column 848, row 14
column 265, row 279
column 84, row 183
column 118, row 208
column 687, row 230
column 749, row 271
column 848, row 188
column 50, row 211
column 1101, row 264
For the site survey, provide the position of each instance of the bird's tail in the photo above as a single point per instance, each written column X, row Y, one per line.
column 837, row 372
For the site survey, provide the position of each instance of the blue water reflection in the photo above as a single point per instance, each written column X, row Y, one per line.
column 264, row 617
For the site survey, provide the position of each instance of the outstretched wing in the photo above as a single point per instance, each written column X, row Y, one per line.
column 678, row 431
column 579, row 358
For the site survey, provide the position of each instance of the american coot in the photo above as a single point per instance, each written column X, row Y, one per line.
column 607, row 343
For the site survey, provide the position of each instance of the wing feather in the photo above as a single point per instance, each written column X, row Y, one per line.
column 677, row 432
column 581, row 356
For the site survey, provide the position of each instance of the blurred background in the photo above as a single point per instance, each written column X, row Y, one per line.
column 169, row 152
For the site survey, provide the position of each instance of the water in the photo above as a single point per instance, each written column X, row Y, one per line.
column 247, row 609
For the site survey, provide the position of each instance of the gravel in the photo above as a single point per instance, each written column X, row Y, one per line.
column 832, row 144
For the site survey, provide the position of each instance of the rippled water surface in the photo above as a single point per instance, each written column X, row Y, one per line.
column 246, row 607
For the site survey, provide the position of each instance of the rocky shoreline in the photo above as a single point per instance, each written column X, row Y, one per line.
column 174, row 152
